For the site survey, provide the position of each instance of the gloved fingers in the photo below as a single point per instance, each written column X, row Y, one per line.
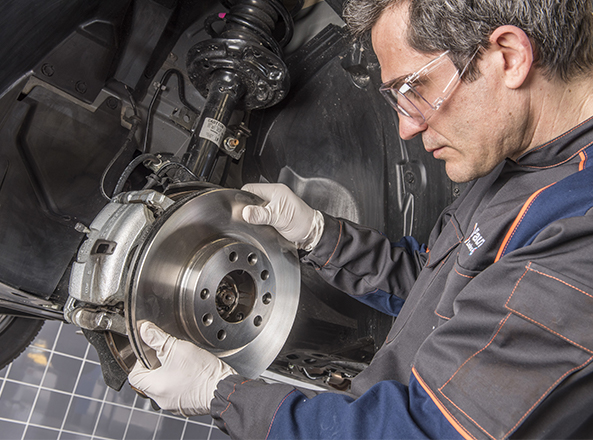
column 137, row 376
column 264, row 190
column 156, row 338
column 257, row 215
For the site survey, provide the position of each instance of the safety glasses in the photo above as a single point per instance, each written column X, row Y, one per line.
column 421, row 93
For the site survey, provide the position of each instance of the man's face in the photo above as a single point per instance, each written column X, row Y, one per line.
column 476, row 128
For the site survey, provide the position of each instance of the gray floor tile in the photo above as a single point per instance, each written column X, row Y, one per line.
column 16, row 401
column 91, row 383
column 125, row 396
column 74, row 436
column 142, row 425
column 50, row 409
column 62, row 373
column 195, row 431
column 11, row 431
column 29, row 366
column 47, row 335
column 71, row 342
column 38, row 433
column 92, row 355
column 144, row 403
column 82, row 416
column 217, row 434
column 67, row 410
column 169, row 429
column 112, row 421
column 206, row 420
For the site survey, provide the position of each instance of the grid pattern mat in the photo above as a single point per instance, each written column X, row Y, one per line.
column 55, row 391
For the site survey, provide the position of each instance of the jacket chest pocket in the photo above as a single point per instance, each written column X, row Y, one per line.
column 457, row 278
column 544, row 338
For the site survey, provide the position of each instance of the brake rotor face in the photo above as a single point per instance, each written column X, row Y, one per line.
column 205, row 275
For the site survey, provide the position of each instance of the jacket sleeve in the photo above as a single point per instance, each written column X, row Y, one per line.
column 365, row 264
column 253, row 409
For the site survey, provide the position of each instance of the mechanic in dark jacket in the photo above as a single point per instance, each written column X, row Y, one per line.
column 494, row 335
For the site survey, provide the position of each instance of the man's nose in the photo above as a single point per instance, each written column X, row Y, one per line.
column 408, row 127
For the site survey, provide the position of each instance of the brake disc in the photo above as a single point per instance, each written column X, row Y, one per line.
column 205, row 275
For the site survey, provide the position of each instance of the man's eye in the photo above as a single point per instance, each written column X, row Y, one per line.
column 414, row 94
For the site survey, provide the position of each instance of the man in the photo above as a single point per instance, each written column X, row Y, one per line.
column 494, row 337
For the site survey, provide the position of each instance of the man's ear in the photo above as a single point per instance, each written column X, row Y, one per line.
column 514, row 52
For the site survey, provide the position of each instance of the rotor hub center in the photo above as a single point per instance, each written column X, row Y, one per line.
column 235, row 296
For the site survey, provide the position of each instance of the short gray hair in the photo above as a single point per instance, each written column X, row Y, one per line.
column 561, row 31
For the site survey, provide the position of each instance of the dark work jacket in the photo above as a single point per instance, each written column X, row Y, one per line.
column 495, row 336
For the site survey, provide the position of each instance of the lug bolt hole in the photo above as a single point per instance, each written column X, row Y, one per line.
column 207, row 319
column 267, row 298
column 257, row 321
column 252, row 259
column 233, row 257
column 205, row 294
column 265, row 275
column 221, row 335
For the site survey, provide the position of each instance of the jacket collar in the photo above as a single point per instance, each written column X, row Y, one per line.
column 561, row 149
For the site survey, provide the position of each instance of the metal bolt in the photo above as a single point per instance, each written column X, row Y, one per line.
column 81, row 87
column 47, row 69
column 410, row 178
column 112, row 102
column 231, row 143
column 80, row 227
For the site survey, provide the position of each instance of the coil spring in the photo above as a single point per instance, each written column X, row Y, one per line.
column 257, row 20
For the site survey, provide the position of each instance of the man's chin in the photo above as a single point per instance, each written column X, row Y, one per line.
column 458, row 174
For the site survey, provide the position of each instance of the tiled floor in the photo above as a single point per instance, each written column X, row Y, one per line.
column 55, row 391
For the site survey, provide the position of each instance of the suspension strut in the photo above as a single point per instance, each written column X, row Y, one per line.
column 240, row 68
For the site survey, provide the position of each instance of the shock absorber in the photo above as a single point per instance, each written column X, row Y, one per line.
column 240, row 68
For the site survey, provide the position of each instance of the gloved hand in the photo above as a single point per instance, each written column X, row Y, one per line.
column 185, row 382
column 286, row 212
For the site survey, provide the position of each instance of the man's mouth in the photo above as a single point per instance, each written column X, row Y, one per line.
column 435, row 151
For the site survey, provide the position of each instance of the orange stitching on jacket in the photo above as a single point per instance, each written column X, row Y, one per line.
column 435, row 273
column 527, row 269
column 518, row 220
column 559, row 163
column 562, row 135
column 335, row 249
column 230, row 394
column 456, row 232
column 551, row 331
column 583, row 162
column 500, row 325
column 560, row 379
column 276, row 412
column 563, row 282
column 441, row 316
column 458, row 273
column 468, row 416
column 463, row 275
column 450, row 417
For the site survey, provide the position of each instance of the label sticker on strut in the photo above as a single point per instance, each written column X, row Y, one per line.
column 213, row 131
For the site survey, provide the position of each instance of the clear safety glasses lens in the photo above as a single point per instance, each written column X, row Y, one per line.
column 423, row 92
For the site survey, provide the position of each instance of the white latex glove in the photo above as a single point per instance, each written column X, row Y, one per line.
column 185, row 382
column 286, row 212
